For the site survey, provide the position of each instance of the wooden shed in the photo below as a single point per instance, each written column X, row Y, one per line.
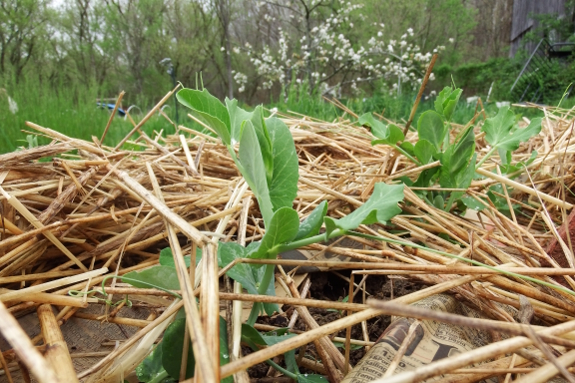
column 523, row 20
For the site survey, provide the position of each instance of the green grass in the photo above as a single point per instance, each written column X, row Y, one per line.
column 392, row 107
column 71, row 111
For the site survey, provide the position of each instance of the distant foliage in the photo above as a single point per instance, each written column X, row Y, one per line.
column 261, row 47
column 320, row 46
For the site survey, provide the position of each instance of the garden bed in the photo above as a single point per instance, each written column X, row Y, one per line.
column 76, row 213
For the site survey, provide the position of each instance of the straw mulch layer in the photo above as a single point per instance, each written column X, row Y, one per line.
column 94, row 211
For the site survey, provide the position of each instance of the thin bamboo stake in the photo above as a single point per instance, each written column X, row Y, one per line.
column 147, row 117
column 420, row 93
column 118, row 102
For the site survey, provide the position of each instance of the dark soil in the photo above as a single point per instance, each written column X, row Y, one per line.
column 329, row 286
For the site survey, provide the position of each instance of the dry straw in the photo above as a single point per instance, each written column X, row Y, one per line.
column 69, row 223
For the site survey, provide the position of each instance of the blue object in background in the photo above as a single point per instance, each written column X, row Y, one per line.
column 110, row 107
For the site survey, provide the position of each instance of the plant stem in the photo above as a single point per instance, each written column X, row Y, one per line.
column 256, row 309
column 160, row 377
column 489, row 153
column 402, row 151
column 273, row 252
column 306, row 241
column 450, row 201
column 271, row 362
column 281, row 369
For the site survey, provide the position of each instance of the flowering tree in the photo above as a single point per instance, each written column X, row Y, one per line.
column 317, row 43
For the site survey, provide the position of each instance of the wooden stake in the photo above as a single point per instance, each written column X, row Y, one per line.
column 118, row 102
column 420, row 93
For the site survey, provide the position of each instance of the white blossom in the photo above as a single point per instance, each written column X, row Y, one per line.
column 309, row 55
column 12, row 105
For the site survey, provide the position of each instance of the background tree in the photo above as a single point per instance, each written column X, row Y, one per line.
column 22, row 23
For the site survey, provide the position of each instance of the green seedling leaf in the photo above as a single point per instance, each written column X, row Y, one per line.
column 250, row 334
column 351, row 346
column 255, row 339
column 456, row 157
column 380, row 207
column 499, row 201
column 424, row 151
column 472, row 203
column 311, row 378
column 32, row 141
column 248, row 275
column 408, row 147
column 406, row 180
column 509, row 168
column 167, row 259
column 500, row 134
column 386, row 134
column 446, row 101
column 253, row 169
column 264, row 140
column 378, row 128
column 173, row 343
column 497, row 128
column 224, row 348
column 209, row 110
column 430, row 127
column 151, row 368
column 439, row 202
column 283, row 228
column 395, row 136
column 311, row 225
column 426, row 177
column 278, row 336
column 172, row 347
column 461, row 180
column 283, row 186
column 237, row 118
column 161, row 276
